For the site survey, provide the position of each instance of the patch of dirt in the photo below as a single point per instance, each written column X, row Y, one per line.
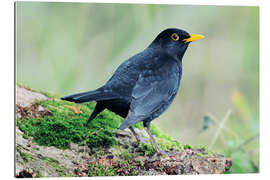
column 33, row 110
column 26, row 106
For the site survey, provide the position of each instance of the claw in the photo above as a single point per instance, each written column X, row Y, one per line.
column 161, row 152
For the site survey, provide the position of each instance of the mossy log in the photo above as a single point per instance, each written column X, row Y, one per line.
column 52, row 141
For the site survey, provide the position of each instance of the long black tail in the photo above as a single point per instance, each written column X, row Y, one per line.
column 89, row 96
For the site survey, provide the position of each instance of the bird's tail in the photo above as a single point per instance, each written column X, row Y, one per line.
column 89, row 96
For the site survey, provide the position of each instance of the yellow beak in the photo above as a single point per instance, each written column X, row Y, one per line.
column 193, row 37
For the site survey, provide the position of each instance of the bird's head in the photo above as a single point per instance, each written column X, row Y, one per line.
column 174, row 41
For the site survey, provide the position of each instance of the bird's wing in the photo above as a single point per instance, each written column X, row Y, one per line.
column 153, row 92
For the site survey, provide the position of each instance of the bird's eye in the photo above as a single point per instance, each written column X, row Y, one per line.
column 175, row 37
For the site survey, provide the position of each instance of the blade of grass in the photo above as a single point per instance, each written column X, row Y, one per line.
column 221, row 126
column 224, row 127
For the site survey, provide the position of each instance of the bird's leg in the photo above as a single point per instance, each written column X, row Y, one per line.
column 139, row 139
column 135, row 134
column 99, row 108
column 158, row 149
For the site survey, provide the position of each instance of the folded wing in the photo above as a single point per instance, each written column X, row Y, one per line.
column 152, row 94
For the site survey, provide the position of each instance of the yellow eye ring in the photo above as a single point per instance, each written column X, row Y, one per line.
column 175, row 37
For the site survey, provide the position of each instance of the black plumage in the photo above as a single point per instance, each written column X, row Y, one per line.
column 143, row 86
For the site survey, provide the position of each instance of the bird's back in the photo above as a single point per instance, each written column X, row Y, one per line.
column 127, row 74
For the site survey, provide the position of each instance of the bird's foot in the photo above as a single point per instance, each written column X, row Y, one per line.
column 160, row 152
column 143, row 140
column 138, row 144
column 138, row 138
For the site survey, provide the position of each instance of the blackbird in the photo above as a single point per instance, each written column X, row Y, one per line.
column 143, row 86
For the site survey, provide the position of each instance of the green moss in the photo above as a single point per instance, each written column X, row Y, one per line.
column 126, row 155
column 139, row 125
column 187, row 146
column 64, row 126
column 100, row 170
column 168, row 145
column 201, row 155
column 38, row 175
column 147, row 149
column 54, row 163
column 141, row 163
column 210, row 152
column 25, row 136
column 25, row 156
column 203, row 147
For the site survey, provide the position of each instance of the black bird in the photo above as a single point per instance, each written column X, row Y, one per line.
column 143, row 86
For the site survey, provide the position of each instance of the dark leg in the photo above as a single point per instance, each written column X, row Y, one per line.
column 158, row 149
column 99, row 108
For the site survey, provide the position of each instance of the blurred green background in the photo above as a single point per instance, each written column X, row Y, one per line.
column 65, row 48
